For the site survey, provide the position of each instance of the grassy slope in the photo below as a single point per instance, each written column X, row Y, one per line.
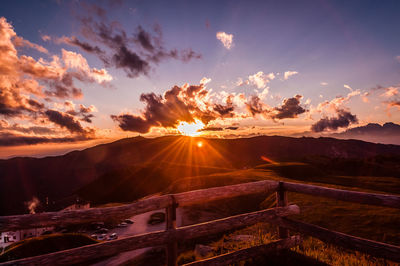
column 361, row 220
column 140, row 180
column 366, row 221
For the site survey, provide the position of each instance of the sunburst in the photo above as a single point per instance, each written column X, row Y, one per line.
column 190, row 129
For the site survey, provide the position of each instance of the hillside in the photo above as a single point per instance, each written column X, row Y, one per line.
column 386, row 133
column 156, row 163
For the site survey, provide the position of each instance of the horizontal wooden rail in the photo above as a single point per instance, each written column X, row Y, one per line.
column 242, row 254
column 377, row 249
column 345, row 195
column 218, row 193
column 107, row 249
column 9, row 223
column 16, row 222
column 62, row 218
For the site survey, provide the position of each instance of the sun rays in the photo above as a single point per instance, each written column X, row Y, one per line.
column 190, row 129
column 190, row 155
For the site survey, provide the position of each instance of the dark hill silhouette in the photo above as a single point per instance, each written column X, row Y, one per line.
column 134, row 162
column 387, row 133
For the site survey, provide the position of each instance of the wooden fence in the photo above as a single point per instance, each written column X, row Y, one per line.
column 172, row 235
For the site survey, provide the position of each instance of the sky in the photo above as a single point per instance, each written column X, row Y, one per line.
column 77, row 73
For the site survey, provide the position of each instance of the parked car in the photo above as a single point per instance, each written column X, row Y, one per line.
column 113, row 236
column 128, row 221
column 156, row 218
column 123, row 224
column 101, row 237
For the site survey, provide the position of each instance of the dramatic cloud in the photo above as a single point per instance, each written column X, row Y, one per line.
column 21, row 42
column 218, row 128
column 17, row 128
column 391, row 96
column 255, row 106
column 67, row 121
column 336, row 110
column 83, row 71
column 85, row 113
column 260, row 80
column 136, row 53
column 288, row 74
column 22, row 76
column 179, row 104
column 343, row 120
column 185, row 103
column 226, row 39
column 27, row 85
column 8, row 140
column 332, row 106
column 290, row 108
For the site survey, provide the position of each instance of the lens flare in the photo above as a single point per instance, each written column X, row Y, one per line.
column 190, row 129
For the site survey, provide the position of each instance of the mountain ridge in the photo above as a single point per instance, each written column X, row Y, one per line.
column 57, row 177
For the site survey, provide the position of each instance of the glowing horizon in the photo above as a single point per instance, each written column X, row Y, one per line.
column 78, row 73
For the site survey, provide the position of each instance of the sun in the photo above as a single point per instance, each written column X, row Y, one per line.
column 200, row 144
column 190, row 129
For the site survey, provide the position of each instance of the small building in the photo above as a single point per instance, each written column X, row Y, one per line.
column 7, row 238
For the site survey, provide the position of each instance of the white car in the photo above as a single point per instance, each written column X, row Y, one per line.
column 101, row 237
column 123, row 224
column 113, row 236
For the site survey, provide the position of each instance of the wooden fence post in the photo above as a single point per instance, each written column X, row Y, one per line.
column 172, row 246
column 282, row 201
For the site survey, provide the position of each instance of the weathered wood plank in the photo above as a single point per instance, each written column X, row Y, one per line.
column 246, row 253
column 217, row 193
column 172, row 246
column 95, row 251
column 282, row 201
column 233, row 222
column 9, row 223
column 373, row 248
column 383, row 200
column 106, row 249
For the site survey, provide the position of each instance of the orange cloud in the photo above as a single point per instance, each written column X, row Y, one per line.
column 28, row 85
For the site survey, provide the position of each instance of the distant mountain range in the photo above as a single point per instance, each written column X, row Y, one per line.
column 388, row 133
column 131, row 168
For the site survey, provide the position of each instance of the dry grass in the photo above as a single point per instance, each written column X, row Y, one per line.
column 370, row 222
column 311, row 251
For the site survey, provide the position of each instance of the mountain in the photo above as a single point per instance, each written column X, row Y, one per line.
column 135, row 167
column 388, row 133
